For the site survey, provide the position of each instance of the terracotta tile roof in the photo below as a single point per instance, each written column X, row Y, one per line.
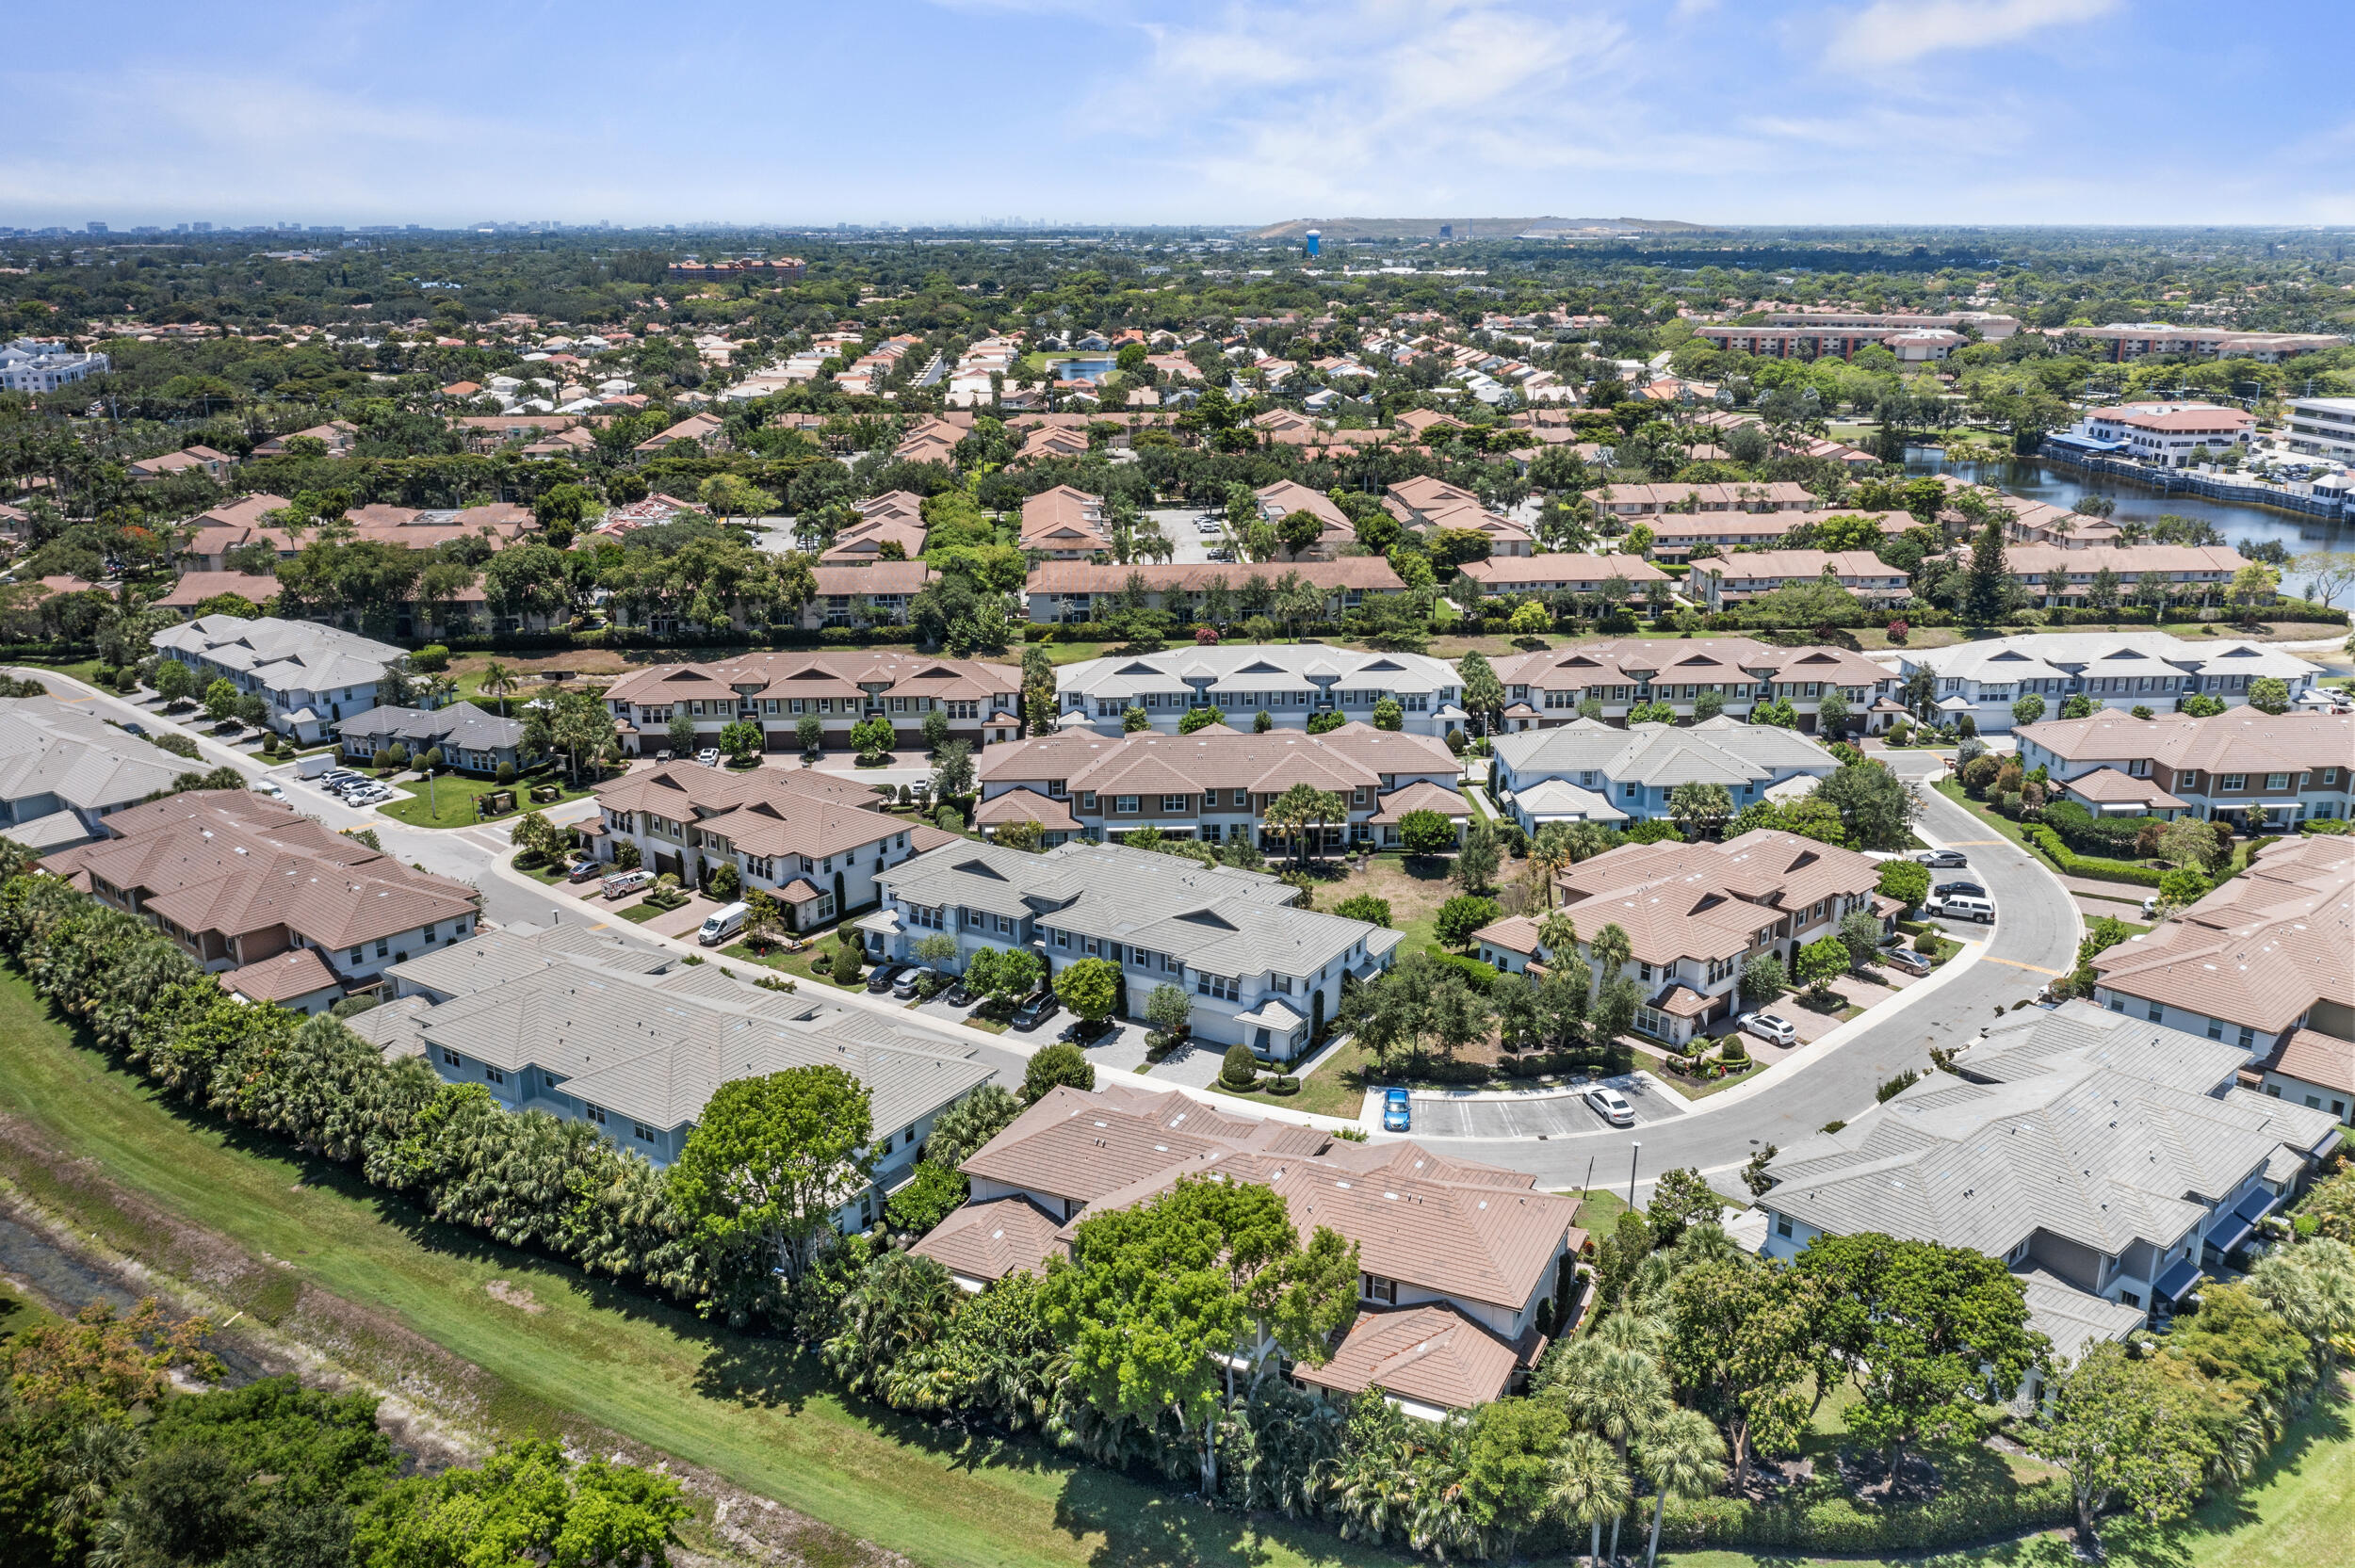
column 2260, row 950
column 826, row 673
column 1422, row 795
column 1432, row 1355
column 1371, row 574
column 2240, row 740
column 990, row 1240
column 1026, row 805
column 299, row 972
column 761, row 811
column 2108, row 786
column 2313, row 1057
column 1507, row 572
column 1708, row 900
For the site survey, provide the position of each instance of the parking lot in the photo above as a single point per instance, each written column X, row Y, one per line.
column 1548, row 1116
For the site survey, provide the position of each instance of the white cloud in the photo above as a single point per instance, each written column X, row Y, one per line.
column 1893, row 32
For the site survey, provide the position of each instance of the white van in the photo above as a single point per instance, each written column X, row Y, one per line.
column 723, row 924
column 623, row 884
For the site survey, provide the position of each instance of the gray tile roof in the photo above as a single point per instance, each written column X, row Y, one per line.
column 1719, row 750
column 48, row 749
column 460, row 724
column 1245, row 667
column 285, row 656
column 2079, row 1122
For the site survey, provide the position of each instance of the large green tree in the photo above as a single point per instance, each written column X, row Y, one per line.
column 2125, row 1432
column 771, row 1159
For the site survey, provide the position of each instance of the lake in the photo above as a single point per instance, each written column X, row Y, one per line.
column 1083, row 367
column 2060, row 484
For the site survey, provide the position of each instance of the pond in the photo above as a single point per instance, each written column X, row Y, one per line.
column 2061, row 484
column 1083, row 367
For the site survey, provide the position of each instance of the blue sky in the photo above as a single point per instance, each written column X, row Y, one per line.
column 915, row 111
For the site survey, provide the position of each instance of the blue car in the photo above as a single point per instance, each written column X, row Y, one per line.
column 1395, row 1115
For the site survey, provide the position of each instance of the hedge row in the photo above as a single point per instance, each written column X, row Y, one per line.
column 2076, row 865
column 1841, row 1524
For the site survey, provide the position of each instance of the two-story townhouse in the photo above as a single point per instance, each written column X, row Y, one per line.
column 1747, row 574
column 2114, row 669
column 1590, row 771
column 468, row 739
column 635, row 1044
column 1434, row 505
column 1260, row 971
column 1292, row 683
column 2196, row 573
column 2245, row 765
column 840, row 688
column 1064, row 523
column 312, row 676
column 2108, row 1162
column 1284, row 497
column 2265, row 957
column 1695, row 913
column 1551, row 687
column 1563, row 570
column 1641, row 502
column 1077, row 590
column 63, row 770
column 1462, row 1266
column 236, row 881
column 876, row 594
column 807, row 839
column 1217, row 783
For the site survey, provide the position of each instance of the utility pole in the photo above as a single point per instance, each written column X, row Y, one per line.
column 1634, row 1151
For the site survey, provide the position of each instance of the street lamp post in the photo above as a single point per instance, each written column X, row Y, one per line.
column 1635, row 1150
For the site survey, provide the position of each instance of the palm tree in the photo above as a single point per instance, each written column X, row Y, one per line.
column 1619, row 1390
column 1589, row 1486
column 438, row 690
column 1550, row 850
column 1682, row 1454
column 1557, row 934
column 1612, row 951
column 1588, row 839
column 498, row 681
column 97, row 1457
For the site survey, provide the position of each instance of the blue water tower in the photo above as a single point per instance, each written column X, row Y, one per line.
column 1313, row 237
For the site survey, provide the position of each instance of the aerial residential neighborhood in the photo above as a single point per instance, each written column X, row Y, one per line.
column 733, row 838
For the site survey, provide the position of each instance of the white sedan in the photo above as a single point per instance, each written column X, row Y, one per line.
column 1612, row 1107
column 1767, row 1026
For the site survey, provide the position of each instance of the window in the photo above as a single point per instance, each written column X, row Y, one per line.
column 1373, row 1287
column 1087, row 799
column 1224, row 987
column 382, row 946
column 2128, row 1298
column 641, row 1132
column 1242, row 799
column 1125, row 805
column 1063, row 939
column 1004, row 924
column 2155, row 1012
column 1057, row 788
column 1172, row 804
column 451, row 1058
column 1283, row 983
column 2233, row 780
column 1783, row 1227
column 492, row 1074
column 2277, row 780
column 594, row 1113
column 352, row 957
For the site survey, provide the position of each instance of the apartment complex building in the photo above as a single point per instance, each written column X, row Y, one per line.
column 1076, row 591
column 1064, row 523
column 254, row 891
column 1590, row 771
column 1456, row 1260
column 313, row 676
column 1695, row 913
column 1216, row 784
column 64, row 769
column 2190, row 572
column 634, row 1044
column 2110, row 1162
column 1550, row 686
column 2256, row 770
column 807, row 839
column 875, row 594
column 2115, row 670
column 2132, row 341
column 1563, row 571
column 2324, row 426
column 840, row 688
column 1723, row 580
column 1292, row 683
column 1434, row 505
column 1260, row 971
column 2266, row 957
column 2173, row 434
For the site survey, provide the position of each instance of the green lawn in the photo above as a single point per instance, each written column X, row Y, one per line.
column 450, row 802
column 748, row 1408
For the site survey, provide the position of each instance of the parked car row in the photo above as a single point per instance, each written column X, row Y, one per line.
column 355, row 789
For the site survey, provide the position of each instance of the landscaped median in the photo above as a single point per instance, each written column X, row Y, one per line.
column 449, row 801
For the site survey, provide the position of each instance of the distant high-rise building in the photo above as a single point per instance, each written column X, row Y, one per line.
column 1447, row 230
column 202, row 228
column 98, row 228
column 1313, row 237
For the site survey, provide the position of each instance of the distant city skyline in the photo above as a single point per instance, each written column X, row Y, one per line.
column 951, row 112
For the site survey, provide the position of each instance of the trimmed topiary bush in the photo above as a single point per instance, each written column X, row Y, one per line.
column 1239, row 1068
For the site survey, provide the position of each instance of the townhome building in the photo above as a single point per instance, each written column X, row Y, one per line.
column 1590, row 771
column 884, row 537
column 1695, row 915
column 254, row 891
column 64, row 769
column 634, row 1044
column 2115, row 670
column 2110, row 1162
column 2263, row 960
column 1643, row 503
column 1434, row 505
column 2132, row 341
column 809, row 840
column 1217, row 783
column 468, row 739
column 1284, row 497
column 1462, row 1266
column 1551, row 687
column 214, row 465
column 1064, row 523
column 2258, row 770
column 1745, row 575
column 1563, row 570
column 1292, row 683
column 879, row 594
column 2200, row 572
column 312, row 676
column 1261, row 971
column 1072, row 591
column 337, row 436
column 840, row 688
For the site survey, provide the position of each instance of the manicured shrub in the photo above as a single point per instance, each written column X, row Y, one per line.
column 1240, row 1068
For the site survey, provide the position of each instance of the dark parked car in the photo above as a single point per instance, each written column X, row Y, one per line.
column 1037, row 1010
column 586, row 871
column 1959, row 890
column 1080, row 1032
column 959, row 994
column 885, row 974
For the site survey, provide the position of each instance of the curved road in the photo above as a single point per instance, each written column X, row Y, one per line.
column 2034, row 939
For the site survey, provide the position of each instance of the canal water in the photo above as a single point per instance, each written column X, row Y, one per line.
column 2060, row 484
